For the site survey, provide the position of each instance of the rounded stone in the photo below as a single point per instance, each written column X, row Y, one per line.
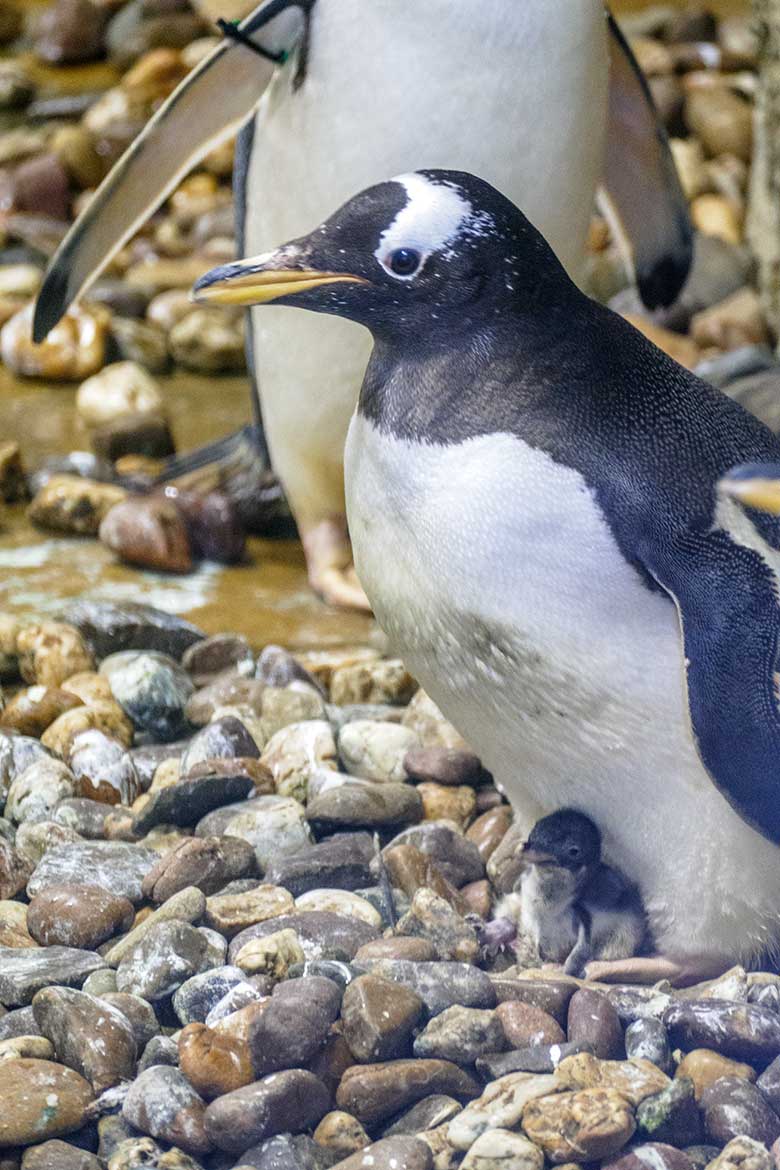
column 77, row 915
column 38, row 1100
column 525, row 1025
column 594, row 1021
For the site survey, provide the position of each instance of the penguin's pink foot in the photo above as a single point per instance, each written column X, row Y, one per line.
column 329, row 562
column 654, row 968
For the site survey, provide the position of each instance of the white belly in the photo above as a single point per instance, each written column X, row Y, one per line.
column 512, row 91
column 498, row 580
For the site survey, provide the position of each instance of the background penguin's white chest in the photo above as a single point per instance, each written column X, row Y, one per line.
column 498, row 580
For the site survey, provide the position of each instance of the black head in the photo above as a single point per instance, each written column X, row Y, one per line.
column 566, row 838
column 427, row 251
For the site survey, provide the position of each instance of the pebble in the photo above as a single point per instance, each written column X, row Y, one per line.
column 194, row 999
column 365, row 805
column 733, row 1107
column 440, row 985
column 296, row 751
column 213, row 1062
column 15, row 870
column 108, row 627
column 231, row 913
column 162, row 1103
column 89, row 1035
column 593, row 1020
column 376, row 751
column 37, row 791
column 744, row 1032
column 551, row 995
column 500, row 1148
column 743, row 1152
column 40, row 1099
column 295, row 1024
column 501, row 1106
column 25, row 970
column 50, row 652
column 374, row 1092
column 227, row 690
column 341, row 1134
column 581, row 1127
column 462, row 1035
column 393, row 1153
column 206, row 862
column 57, row 1155
column 442, row 765
column 77, row 915
column 275, row 827
column 139, row 1014
column 152, row 690
column 224, row 738
column 69, row 503
column 288, row 1101
column 341, row 862
column 635, row 1079
column 541, row 1058
column 339, row 902
column 378, row 1018
column 208, row 342
column 119, row 389
column 107, row 717
column 721, row 120
column 648, row 1040
column 297, row 703
column 187, row 905
column 271, row 955
column 32, row 710
column 117, row 866
column 432, row 1112
column 166, row 956
column 525, row 1026
column 432, row 917
column 74, row 349
column 148, row 531
column 432, row 729
column 658, row 1156
column 703, row 1067
column 444, row 803
column 375, row 681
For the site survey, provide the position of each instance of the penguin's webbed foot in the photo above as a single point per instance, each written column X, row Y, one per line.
column 329, row 562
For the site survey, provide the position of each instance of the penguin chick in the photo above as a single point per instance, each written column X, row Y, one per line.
column 568, row 902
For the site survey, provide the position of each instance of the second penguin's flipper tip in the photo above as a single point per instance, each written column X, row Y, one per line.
column 51, row 304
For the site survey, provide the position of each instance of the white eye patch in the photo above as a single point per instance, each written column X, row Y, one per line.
column 432, row 216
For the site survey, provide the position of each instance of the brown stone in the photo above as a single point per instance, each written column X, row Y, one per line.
column 41, row 1100
column 107, row 717
column 208, row 863
column 378, row 1018
column 89, row 1035
column 230, row 913
column 634, row 1079
column 89, row 686
column 716, row 215
column 478, row 897
column 290, row 1100
column 526, row 1026
column 80, row 916
column 74, row 349
column 15, row 870
column 13, row 931
column 444, row 803
column 411, row 870
column 442, row 765
column 374, row 1092
column 49, row 652
column 431, row 916
column 551, row 995
column 70, row 503
column 341, row 1133
column 13, row 482
column 488, row 830
column 721, row 120
column 704, row 1067
column 214, row 1062
column 418, row 950
column 580, row 1127
column 32, row 710
column 593, row 1021
column 150, row 532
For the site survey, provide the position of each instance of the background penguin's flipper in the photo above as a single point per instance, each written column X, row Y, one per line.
column 208, row 106
column 725, row 584
column 641, row 181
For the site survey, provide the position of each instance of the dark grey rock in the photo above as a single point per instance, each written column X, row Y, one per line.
column 341, row 862
column 225, row 738
column 288, row 1152
column 162, row 1103
column 760, row 395
column 186, row 802
column 439, row 985
column 59, row 1155
column 647, row 1040
column 151, row 688
column 653, row 1155
column 671, row 1116
column 322, row 934
column 551, row 995
column 86, row 817
column 542, row 1058
column 206, row 660
column 148, row 758
column 733, row 1108
column 456, row 858
column 117, row 866
column 461, row 1035
column 742, row 1031
column 25, row 970
column 361, row 804
column 165, row 957
column 424, row 1115
column 139, row 1014
column 769, row 1084
column 159, row 1050
column 17, row 752
column 294, row 1026
column 18, row 1023
column 284, row 1102
column 277, row 667
column 109, row 628
column 193, row 1001
column 89, row 1035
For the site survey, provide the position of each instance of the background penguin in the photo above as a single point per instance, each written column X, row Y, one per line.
column 754, row 485
column 348, row 91
column 531, row 490
column 568, row 903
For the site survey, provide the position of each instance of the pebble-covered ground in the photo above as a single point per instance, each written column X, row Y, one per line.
column 240, row 891
column 239, row 907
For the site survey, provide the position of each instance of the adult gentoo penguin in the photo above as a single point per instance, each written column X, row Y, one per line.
column 531, row 492
column 347, row 91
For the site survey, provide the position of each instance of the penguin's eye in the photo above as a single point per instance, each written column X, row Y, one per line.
column 404, row 261
column 573, row 852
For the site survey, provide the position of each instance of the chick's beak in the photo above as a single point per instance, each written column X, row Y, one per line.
column 759, row 488
column 264, row 278
column 536, row 857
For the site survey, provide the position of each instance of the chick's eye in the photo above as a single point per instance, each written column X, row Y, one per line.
column 404, row 261
column 573, row 852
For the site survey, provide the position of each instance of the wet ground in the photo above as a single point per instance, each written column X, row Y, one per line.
column 267, row 599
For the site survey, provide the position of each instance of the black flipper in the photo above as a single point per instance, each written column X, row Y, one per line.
column 641, row 181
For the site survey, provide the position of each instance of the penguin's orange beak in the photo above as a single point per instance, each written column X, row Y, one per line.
column 262, row 279
column 754, row 486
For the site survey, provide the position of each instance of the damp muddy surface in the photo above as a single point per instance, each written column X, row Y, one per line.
column 267, row 598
